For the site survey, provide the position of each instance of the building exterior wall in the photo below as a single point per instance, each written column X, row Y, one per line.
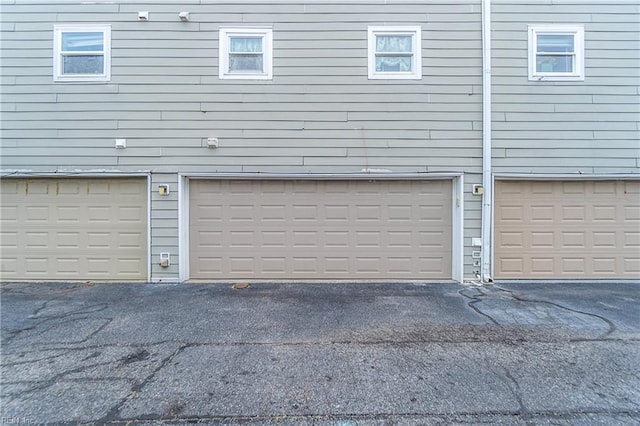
column 588, row 127
column 320, row 113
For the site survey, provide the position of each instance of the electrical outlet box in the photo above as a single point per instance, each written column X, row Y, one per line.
column 478, row 189
column 165, row 260
column 476, row 242
column 143, row 16
column 475, row 254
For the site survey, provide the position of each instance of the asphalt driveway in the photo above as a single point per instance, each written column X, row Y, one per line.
column 338, row 354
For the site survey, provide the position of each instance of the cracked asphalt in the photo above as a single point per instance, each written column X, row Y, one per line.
column 334, row 354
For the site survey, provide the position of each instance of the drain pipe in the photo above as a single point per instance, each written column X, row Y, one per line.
column 487, row 197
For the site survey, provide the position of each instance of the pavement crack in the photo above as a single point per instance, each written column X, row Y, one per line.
column 37, row 311
column 12, row 334
column 91, row 309
column 477, row 298
column 44, row 384
column 610, row 324
column 35, row 360
column 514, row 386
column 114, row 412
column 38, row 320
column 96, row 331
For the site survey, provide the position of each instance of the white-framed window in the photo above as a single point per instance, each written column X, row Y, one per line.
column 82, row 52
column 246, row 53
column 395, row 52
column 556, row 53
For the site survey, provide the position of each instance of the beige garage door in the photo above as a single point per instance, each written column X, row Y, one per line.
column 320, row 229
column 570, row 229
column 68, row 229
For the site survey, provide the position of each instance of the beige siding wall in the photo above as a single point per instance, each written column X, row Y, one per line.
column 586, row 127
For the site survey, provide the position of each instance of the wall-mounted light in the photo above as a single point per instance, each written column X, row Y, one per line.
column 184, row 16
column 163, row 189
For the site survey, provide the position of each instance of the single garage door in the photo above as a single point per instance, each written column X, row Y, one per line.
column 567, row 229
column 70, row 229
column 284, row 229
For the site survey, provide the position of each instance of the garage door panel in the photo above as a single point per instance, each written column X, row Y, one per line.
column 537, row 240
column 632, row 265
column 632, row 213
column 632, row 240
column 576, row 188
column 606, row 239
column 573, row 265
column 572, row 239
column 573, row 214
column 37, row 267
column 605, row 214
column 604, row 265
column 604, row 187
column 131, row 240
column 542, row 265
column 510, row 213
column 320, row 229
column 567, row 230
column 36, row 214
column 75, row 229
column 131, row 215
column 510, row 239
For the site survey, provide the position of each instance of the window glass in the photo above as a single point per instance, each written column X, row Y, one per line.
column 245, row 63
column 558, row 63
column 556, row 43
column 82, row 42
column 394, row 43
column 245, row 54
column 393, row 64
column 245, row 44
column 84, row 64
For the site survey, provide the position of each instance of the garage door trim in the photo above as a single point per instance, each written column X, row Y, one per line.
column 457, row 181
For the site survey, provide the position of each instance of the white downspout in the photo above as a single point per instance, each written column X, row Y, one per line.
column 487, row 197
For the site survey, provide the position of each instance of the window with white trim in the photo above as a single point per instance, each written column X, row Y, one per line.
column 556, row 53
column 246, row 53
column 395, row 53
column 81, row 53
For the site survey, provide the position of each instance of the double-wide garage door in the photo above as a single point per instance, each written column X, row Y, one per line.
column 73, row 229
column 567, row 229
column 314, row 229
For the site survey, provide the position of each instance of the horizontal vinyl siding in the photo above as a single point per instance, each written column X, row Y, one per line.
column 588, row 127
column 320, row 113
